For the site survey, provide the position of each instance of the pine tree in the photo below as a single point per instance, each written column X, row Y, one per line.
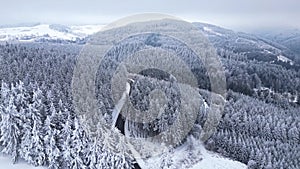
column 33, row 149
column 166, row 160
column 11, row 130
column 4, row 100
column 65, row 143
column 26, row 137
column 38, row 150
column 79, row 142
column 5, row 94
column 93, row 153
column 39, row 113
column 52, row 151
column 113, row 154
column 21, row 96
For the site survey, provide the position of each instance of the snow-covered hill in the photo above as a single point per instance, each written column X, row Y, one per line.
column 45, row 32
column 287, row 37
column 252, row 46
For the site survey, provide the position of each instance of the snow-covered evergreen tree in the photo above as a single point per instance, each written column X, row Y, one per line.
column 38, row 149
column 39, row 106
column 11, row 130
column 79, row 146
column 166, row 159
column 66, row 142
column 4, row 100
column 52, row 151
column 93, row 153
column 4, row 97
column 27, row 136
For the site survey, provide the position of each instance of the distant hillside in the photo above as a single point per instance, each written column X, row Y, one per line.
column 289, row 38
column 251, row 46
column 47, row 33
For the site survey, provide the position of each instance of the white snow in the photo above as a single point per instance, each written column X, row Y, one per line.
column 245, row 40
column 86, row 29
column 36, row 31
column 206, row 160
column 43, row 30
column 212, row 160
column 284, row 59
column 211, row 31
column 6, row 163
column 267, row 51
column 296, row 99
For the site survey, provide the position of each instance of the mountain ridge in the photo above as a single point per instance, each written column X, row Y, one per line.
column 254, row 46
column 250, row 45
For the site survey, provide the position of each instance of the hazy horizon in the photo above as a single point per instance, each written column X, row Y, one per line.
column 232, row 14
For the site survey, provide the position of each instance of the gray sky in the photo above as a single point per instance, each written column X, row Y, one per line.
column 234, row 14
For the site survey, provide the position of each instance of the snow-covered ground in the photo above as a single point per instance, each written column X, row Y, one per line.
column 86, row 29
column 210, row 161
column 213, row 160
column 6, row 163
column 284, row 59
column 45, row 31
column 202, row 159
column 209, row 30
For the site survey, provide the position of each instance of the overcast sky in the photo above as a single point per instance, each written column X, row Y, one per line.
column 234, row 14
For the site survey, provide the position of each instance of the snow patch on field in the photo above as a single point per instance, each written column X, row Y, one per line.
column 211, row 31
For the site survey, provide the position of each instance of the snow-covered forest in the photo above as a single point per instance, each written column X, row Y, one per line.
column 37, row 120
column 260, row 125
